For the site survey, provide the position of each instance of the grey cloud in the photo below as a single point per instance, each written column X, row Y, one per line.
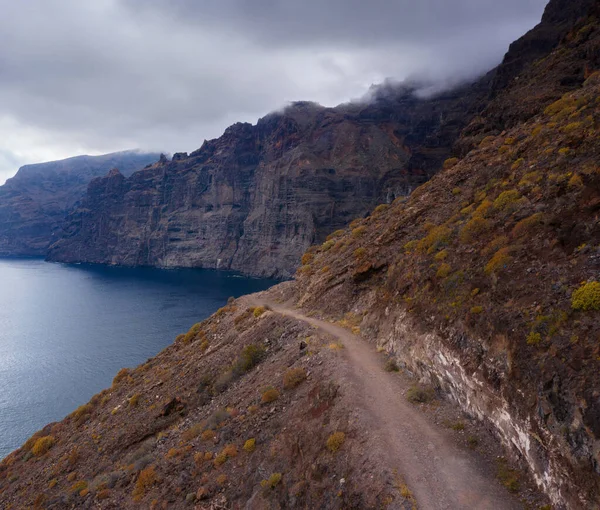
column 163, row 75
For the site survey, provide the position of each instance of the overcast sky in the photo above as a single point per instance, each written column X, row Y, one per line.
column 80, row 76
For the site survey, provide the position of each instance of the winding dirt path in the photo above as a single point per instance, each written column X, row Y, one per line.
column 438, row 472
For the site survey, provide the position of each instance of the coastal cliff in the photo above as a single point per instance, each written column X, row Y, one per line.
column 35, row 202
column 479, row 291
column 254, row 199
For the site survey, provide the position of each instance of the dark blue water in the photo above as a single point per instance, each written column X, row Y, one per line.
column 65, row 331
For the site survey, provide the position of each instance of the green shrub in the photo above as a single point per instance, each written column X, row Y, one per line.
column 293, row 377
column 77, row 487
column 450, row 162
column 441, row 256
column 134, row 400
column 435, row 239
column 81, row 414
column 269, row 395
column 381, row 208
column 517, row 164
column 122, row 375
column 506, row 198
column 42, row 445
column 499, row 261
column 443, row 271
column 391, row 365
column 534, row 338
column 327, row 245
column 229, row 452
column 250, row 356
column 337, row 233
column 258, row 311
column 575, row 181
column 146, row 479
column 474, row 228
column 335, row 441
column 419, row 394
column 307, row 258
column 483, row 209
column 360, row 253
column 586, row 297
column 358, row 231
column 272, row 481
column 525, row 225
column 250, row 445
column 477, row 310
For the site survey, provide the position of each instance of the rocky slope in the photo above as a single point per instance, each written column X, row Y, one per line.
column 34, row 203
column 483, row 284
column 486, row 282
column 256, row 198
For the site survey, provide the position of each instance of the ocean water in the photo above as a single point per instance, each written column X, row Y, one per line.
column 66, row 330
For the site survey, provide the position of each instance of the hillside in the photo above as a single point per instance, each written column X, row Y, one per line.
column 344, row 388
column 254, row 199
column 34, row 203
column 485, row 282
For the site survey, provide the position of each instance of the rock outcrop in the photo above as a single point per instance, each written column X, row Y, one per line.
column 254, row 199
column 35, row 202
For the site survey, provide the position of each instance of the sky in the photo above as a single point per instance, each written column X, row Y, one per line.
column 90, row 77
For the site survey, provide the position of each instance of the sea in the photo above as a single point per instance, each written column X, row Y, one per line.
column 66, row 330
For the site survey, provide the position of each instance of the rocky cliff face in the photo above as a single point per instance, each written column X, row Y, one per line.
column 34, row 203
column 256, row 198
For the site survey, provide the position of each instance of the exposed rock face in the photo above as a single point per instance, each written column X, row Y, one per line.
column 256, row 198
column 34, row 203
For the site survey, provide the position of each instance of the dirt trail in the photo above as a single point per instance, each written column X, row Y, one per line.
column 439, row 473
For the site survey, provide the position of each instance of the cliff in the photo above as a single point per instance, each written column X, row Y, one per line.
column 480, row 291
column 254, row 199
column 34, row 203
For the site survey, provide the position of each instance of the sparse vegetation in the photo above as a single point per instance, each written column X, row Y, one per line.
column 293, row 377
column 272, row 481
column 250, row 445
column 450, row 162
column 443, row 271
column 42, row 445
column 269, row 395
column 509, row 477
column 499, row 261
column 419, row 394
column 146, row 479
column 586, row 297
column 506, row 199
column 258, row 311
column 335, row 441
column 391, row 365
column 228, row 452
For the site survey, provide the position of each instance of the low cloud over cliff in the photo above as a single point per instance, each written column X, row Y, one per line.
column 113, row 74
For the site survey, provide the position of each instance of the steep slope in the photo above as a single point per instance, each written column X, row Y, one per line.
column 256, row 198
column 485, row 282
column 252, row 409
column 34, row 203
